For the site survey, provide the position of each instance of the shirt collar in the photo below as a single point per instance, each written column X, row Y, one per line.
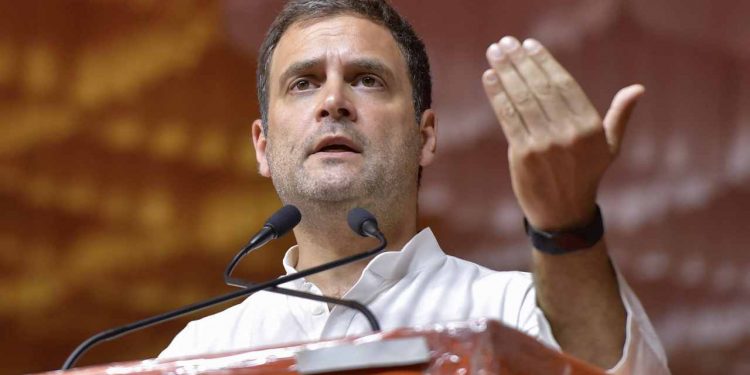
column 421, row 252
column 290, row 259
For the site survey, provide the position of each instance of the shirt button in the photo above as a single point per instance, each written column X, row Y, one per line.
column 318, row 310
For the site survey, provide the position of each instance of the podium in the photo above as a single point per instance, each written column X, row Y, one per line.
column 477, row 347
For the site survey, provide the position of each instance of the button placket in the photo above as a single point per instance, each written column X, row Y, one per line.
column 319, row 309
column 315, row 308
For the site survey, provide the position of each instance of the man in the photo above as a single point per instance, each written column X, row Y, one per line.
column 344, row 90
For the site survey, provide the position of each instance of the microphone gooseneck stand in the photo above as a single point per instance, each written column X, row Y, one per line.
column 361, row 221
column 283, row 220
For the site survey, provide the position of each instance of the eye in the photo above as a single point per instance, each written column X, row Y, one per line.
column 368, row 81
column 302, row 85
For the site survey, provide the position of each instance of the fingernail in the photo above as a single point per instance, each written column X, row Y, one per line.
column 509, row 43
column 532, row 45
column 494, row 52
column 490, row 77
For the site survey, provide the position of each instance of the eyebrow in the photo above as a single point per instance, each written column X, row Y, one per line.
column 298, row 68
column 373, row 66
column 365, row 64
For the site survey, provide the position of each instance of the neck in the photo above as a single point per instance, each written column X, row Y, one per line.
column 324, row 236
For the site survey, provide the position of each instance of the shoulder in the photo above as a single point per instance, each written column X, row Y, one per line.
column 481, row 274
column 507, row 295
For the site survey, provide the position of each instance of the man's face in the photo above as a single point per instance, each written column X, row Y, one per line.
column 341, row 119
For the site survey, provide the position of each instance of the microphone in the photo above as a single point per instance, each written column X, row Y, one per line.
column 363, row 223
column 281, row 222
column 122, row 330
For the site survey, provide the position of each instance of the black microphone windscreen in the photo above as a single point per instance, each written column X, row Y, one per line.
column 358, row 216
column 284, row 219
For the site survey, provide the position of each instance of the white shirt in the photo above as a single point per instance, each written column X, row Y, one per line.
column 419, row 285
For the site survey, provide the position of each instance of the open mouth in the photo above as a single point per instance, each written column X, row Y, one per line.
column 337, row 145
column 337, row 148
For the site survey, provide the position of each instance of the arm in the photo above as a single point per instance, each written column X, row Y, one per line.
column 559, row 149
column 578, row 294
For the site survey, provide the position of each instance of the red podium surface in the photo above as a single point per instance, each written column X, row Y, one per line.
column 478, row 347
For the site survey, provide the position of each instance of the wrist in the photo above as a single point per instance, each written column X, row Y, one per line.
column 558, row 219
column 572, row 238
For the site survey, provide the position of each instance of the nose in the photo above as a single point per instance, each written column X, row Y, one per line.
column 336, row 104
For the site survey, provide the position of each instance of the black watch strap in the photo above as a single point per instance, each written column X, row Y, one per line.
column 562, row 242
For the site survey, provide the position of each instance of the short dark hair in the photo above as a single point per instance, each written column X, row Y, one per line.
column 378, row 11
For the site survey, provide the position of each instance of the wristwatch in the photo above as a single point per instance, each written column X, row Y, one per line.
column 566, row 241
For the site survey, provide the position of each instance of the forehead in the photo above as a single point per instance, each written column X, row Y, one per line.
column 340, row 38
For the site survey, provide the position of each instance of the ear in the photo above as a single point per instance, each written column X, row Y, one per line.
column 259, row 141
column 428, row 131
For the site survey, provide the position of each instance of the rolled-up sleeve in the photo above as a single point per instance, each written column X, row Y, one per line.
column 642, row 352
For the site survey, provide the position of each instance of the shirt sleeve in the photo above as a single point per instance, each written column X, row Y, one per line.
column 642, row 352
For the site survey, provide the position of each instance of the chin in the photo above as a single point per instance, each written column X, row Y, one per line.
column 334, row 190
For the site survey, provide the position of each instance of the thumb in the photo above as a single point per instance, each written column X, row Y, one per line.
column 618, row 115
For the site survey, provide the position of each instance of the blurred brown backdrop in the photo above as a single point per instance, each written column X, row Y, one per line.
column 127, row 177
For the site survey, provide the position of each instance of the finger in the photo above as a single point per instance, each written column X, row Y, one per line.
column 517, row 90
column 574, row 96
column 510, row 121
column 616, row 119
column 551, row 101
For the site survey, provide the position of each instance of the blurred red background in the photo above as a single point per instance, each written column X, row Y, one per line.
column 127, row 176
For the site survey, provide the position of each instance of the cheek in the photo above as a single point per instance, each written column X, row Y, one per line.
column 281, row 127
column 392, row 127
column 280, row 145
column 286, row 144
column 292, row 116
column 390, row 113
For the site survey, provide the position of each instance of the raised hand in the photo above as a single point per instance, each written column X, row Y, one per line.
column 559, row 146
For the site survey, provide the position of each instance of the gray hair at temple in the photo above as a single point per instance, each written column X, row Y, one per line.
column 378, row 11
